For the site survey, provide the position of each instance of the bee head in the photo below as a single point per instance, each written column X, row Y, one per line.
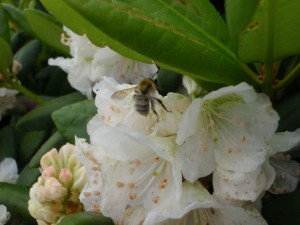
column 146, row 86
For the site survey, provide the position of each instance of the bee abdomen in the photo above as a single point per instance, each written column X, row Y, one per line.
column 142, row 104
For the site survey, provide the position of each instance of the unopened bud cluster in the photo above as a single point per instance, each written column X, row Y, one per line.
column 56, row 193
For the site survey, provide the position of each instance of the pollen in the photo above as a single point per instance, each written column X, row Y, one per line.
column 157, row 159
column 120, row 184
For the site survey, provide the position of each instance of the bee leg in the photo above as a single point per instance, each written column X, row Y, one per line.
column 153, row 109
column 162, row 104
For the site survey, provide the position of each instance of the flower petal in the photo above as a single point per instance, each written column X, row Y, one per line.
column 8, row 171
column 239, row 186
column 195, row 163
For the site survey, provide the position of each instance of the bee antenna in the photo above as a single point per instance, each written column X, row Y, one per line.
column 158, row 68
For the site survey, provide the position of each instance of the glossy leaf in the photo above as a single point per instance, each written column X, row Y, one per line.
column 15, row 198
column 188, row 37
column 6, row 55
column 55, row 141
column 18, row 17
column 71, row 120
column 46, row 29
column 85, row 218
column 81, row 25
column 8, row 143
column 239, row 15
column 29, row 144
column 40, row 118
column 28, row 176
column 273, row 32
column 4, row 28
column 27, row 57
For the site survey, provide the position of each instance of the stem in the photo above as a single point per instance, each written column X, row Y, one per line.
column 289, row 78
column 251, row 74
column 269, row 77
column 16, row 85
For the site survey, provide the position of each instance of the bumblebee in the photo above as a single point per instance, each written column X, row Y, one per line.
column 143, row 97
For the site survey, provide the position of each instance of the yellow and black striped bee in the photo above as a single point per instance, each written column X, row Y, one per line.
column 143, row 96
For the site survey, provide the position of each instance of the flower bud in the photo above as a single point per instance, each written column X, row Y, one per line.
column 56, row 193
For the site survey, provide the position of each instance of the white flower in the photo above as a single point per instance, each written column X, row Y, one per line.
column 90, row 63
column 192, row 87
column 231, row 132
column 7, row 100
column 135, row 171
column 4, row 215
column 8, row 171
column 227, row 127
column 130, row 161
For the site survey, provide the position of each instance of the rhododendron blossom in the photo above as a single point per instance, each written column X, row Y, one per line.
column 89, row 63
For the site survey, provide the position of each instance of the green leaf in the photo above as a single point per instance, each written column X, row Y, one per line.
column 30, row 143
column 17, row 15
column 239, row 15
column 6, row 55
column 188, row 37
column 4, row 28
column 40, row 118
column 71, row 120
column 8, row 143
column 47, row 29
column 85, row 218
column 15, row 198
column 55, row 141
column 27, row 56
column 273, row 32
column 28, row 176
column 81, row 25
column 289, row 111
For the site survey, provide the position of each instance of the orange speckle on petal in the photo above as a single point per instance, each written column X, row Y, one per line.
column 120, row 184
column 131, row 185
column 87, row 194
column 155, row 199
column 132, row 196
column 131, row 171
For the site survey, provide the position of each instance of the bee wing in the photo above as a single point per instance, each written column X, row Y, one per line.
column 122, row 93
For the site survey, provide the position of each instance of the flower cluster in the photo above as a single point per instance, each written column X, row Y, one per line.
column 90, row 63
column 135, row 163
column 174, row 159
column 56, row 193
